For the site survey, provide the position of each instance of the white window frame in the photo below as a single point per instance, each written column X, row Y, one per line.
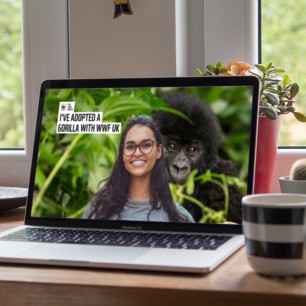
column 209, row 31
column 198, row 23
column 45, row 55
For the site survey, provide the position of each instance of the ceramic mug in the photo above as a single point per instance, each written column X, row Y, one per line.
column 274, row 226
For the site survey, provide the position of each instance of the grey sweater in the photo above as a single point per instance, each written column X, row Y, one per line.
column 139, row 211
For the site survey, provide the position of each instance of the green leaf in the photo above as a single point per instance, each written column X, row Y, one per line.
column 230, row 180
column 265, row 104
column 299, row 116
column 286, row 79
column 211, row 68
column 273, row 89
column 269, row 66
column 294, row 90
column 64, row 94
column 272, row 98
column 40, row 177
column 274, row 79
column 279, row 88
column 258, row 73
column 156, row 102
column 176, row 112
column 290, row 108
column 262, row 68
column 202, row 73
column 190, row 186
column 272, row 69
column 219, row 65
column 206, row 177
column 65, row 199
column 199, row 72
column 279, row 70
column 282, row 107
column 269, row 112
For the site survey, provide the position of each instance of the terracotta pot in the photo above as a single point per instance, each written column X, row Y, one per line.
column 267, row 142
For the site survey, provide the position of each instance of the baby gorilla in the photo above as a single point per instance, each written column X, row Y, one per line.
column 182, row 157
column 195, row 145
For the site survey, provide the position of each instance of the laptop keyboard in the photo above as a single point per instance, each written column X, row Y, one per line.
column 129, row 239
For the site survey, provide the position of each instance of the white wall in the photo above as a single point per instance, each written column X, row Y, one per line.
column 209, row 31
column 138, row 45
column 161, row 38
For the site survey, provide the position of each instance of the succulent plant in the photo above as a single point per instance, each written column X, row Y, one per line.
column 298, row 170
column 277, row 91
column 218, row 69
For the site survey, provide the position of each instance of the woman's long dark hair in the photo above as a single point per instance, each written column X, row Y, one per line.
column 112, row 197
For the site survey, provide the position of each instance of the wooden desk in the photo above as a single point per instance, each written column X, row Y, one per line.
column 233, row 283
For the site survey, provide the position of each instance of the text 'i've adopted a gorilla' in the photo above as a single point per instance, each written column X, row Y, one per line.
column 196, row 146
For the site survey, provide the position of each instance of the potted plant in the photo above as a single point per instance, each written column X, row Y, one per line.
column 277, row 93
column 295, row 182
column 276, row 97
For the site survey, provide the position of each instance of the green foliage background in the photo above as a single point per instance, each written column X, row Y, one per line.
column 11, row 78
column 90, row 157
column 71, row 166
column 283, row 44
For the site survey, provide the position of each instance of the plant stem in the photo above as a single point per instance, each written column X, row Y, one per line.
column 224, row 187
column 198, row 203
column 52, row 174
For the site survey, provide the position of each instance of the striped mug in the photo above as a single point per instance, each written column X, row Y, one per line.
column 274, row 226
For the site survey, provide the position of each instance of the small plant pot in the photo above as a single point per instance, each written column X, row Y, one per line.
column 292, row 186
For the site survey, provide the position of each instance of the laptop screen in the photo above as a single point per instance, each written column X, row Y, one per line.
column 144, row 151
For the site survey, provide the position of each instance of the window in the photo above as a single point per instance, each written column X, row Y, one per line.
column 46, row 50
column 45, row 56
column 283, row 32
column 11, row 91
column 212, row 30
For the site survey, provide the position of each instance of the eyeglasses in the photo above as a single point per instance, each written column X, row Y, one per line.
column 145, row 147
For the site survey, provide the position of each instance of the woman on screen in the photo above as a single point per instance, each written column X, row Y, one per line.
column 137, row 189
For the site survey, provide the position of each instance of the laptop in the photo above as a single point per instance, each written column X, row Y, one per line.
column 84, row 210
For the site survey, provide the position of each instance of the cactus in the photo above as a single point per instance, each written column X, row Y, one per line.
column 298, row 170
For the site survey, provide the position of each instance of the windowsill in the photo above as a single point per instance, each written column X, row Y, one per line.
column 14, row 154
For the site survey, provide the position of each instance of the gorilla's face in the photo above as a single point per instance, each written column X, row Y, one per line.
column 181, row 157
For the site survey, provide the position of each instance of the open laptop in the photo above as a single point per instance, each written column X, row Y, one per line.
column 80, row 124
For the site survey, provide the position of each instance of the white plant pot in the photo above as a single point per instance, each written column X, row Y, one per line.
column 292, row 186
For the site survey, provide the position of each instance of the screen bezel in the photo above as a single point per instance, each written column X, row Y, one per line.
column 251, row 81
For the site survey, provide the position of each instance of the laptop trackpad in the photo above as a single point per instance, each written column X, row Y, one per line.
column 84, row 253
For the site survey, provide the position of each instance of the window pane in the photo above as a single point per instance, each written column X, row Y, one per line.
column 11, row 76
column 283, row 44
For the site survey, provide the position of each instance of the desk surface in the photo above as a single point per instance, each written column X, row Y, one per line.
column 232, row 283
